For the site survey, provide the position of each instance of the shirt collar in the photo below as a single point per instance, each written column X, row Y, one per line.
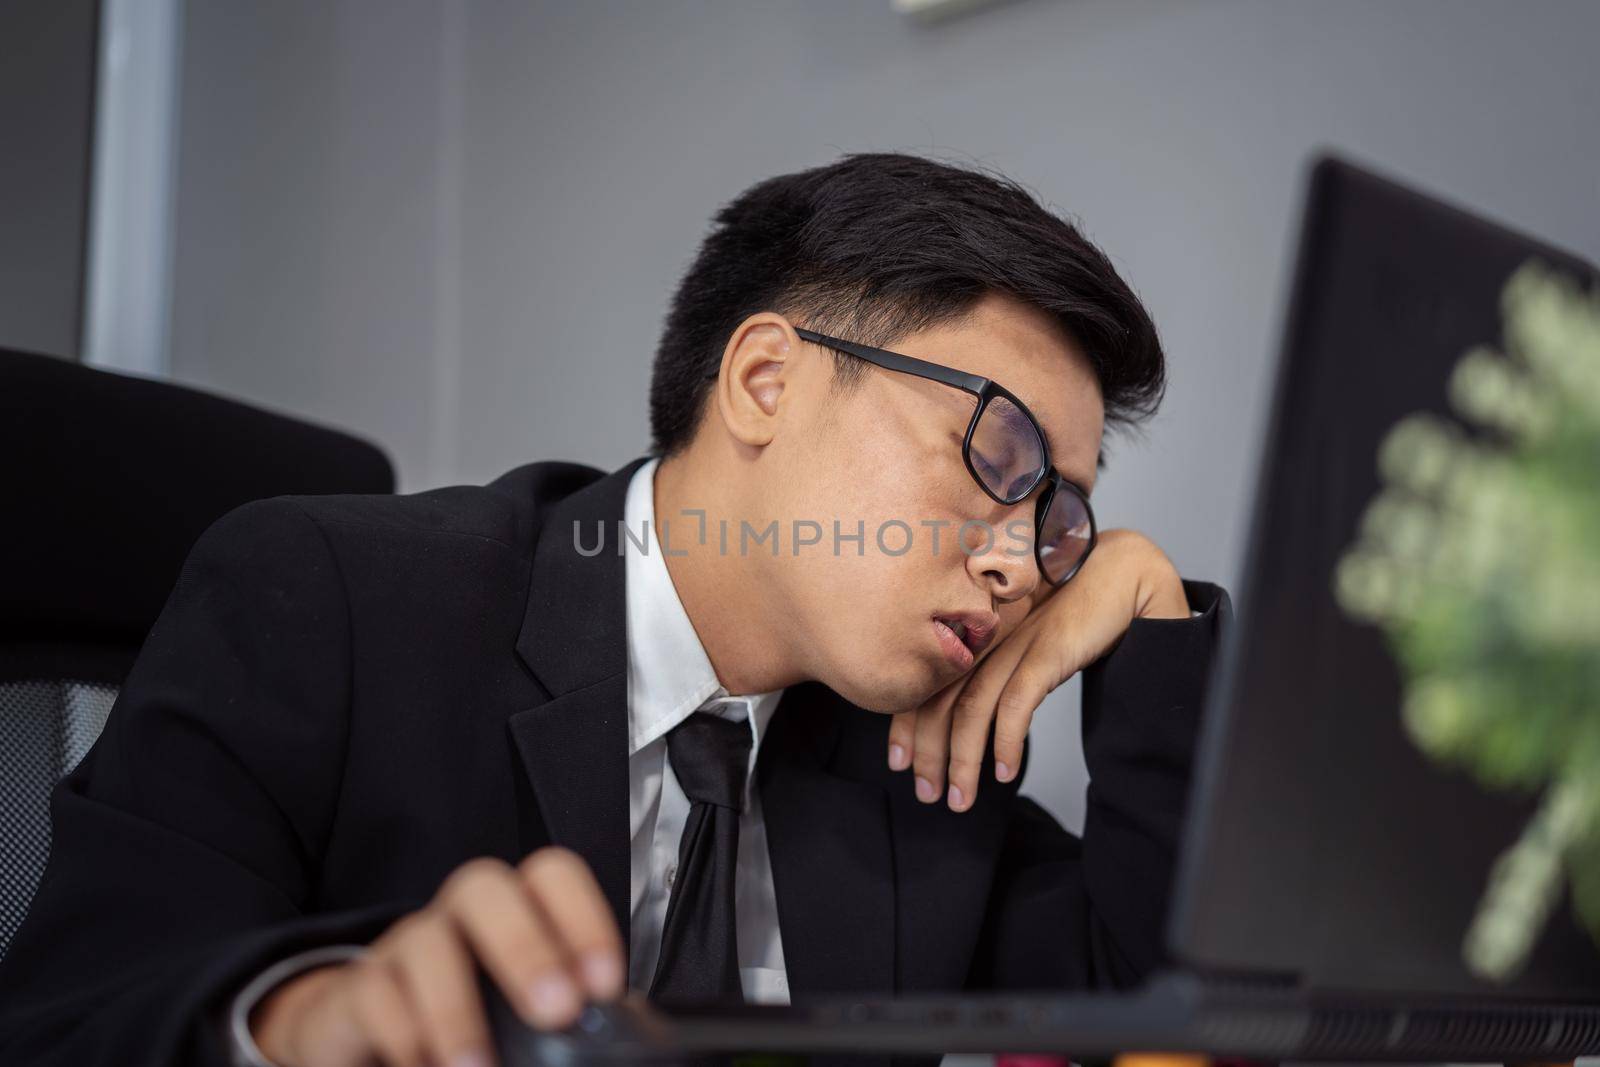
column 669, row 674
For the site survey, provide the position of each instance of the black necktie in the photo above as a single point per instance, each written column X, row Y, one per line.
column 699, row 944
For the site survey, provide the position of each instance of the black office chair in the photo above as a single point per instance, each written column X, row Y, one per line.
column 106, row 481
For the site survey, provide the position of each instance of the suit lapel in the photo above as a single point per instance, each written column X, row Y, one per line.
column 832, row 861
column 574, row 747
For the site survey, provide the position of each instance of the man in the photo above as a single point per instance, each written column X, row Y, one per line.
column 746, row 718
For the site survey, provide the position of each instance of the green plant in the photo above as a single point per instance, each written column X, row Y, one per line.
column 1480, row 561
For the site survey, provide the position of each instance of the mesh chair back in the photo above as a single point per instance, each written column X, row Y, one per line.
column 46, row 727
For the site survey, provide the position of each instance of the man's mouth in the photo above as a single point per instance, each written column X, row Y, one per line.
column 964, row 635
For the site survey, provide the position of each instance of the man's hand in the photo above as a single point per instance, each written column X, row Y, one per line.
column 1126, row 577
column 543, row 931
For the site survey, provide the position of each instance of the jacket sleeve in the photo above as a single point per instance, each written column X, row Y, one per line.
column 1067, row 912
column 185, row 845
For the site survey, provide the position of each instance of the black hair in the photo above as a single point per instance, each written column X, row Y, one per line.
column 878, row 246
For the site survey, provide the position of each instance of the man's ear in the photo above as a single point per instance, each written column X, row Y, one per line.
column 756, row 369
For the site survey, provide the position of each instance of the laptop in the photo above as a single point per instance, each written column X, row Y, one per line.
column 1329, row 869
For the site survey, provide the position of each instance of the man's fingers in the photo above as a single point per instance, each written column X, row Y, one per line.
column 543, row 931
column 379, row 1005
column 1024, row 691
column 327, row 1033
column 931, row 745
column 488, row 902
column 972, row 716
column 903, row 727
column 564, row 887
column 1010, row 734
column 902, row 739
column 436, row 972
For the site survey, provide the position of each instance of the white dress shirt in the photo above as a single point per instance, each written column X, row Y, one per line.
column 669, row 678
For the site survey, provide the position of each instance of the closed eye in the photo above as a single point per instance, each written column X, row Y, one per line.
column 1015, row 489
column 986, row 470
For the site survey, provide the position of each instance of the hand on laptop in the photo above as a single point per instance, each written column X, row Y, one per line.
column 542, row 930
column 1043, row 643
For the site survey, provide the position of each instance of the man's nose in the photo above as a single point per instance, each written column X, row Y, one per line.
column 1001, row 558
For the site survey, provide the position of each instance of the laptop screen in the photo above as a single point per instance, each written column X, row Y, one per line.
column 1324, row 846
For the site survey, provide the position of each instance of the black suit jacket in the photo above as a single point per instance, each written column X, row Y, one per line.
column 347, row 697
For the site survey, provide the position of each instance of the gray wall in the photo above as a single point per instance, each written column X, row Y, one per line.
column 305, row 258
column 47, row 77
column 455, row 227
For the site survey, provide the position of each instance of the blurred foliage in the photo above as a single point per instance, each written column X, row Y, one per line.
column 1480, row 561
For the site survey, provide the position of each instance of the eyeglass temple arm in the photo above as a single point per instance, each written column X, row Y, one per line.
column 971, row 383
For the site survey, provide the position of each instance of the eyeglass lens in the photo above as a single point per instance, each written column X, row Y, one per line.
column 1005, row 450
column 1009, row 458
column 1064, row 535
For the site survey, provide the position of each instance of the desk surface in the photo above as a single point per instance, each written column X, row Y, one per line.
column 1176, row 1012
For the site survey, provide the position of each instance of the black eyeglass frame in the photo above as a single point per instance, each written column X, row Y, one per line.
column 985, row 390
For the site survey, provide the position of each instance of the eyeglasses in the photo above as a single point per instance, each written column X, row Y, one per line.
column 1006, row 453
